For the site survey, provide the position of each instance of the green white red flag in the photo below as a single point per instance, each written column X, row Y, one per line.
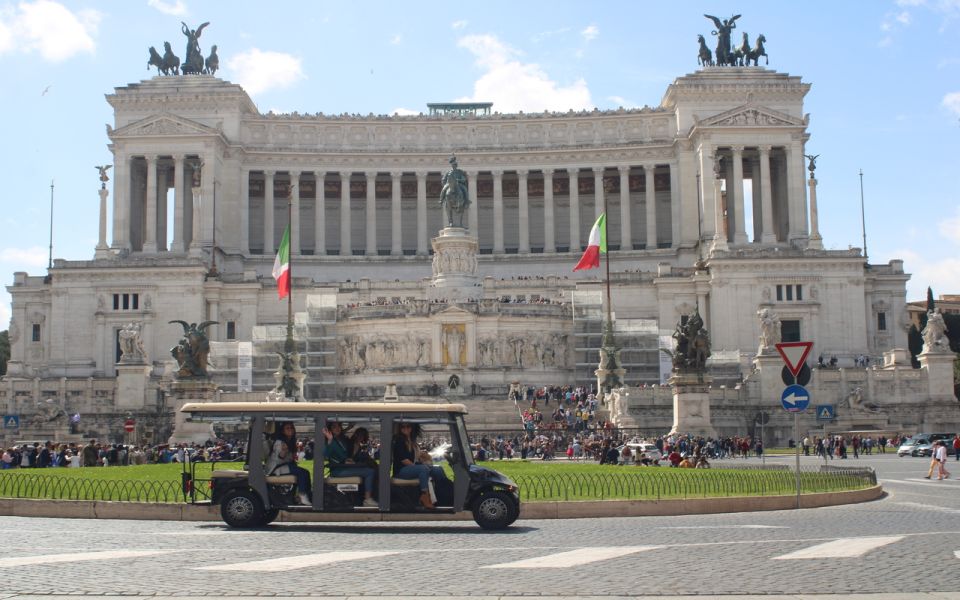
column 596, row 245
column 281, row 265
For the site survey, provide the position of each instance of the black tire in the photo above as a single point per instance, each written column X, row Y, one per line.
column 269, row 516
column 242, row 509
column 494, row 510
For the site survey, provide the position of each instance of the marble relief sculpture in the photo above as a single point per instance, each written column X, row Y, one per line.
column 769, row 331
column 935, row 333
column 131, row 344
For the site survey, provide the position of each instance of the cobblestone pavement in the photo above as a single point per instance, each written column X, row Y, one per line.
column 909, row 542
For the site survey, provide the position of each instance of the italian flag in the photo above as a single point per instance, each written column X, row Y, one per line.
column 596, row 245
column 281, row 265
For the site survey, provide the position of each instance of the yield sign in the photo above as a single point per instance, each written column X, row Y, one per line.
column 794, row 354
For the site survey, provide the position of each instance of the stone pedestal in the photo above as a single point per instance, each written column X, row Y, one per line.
column 296, row 373
column 607, row 377
column 181, row 392
column 691, row 404
column 455, row 266
column 132, row 380
column 769, row 368
column 939, row 368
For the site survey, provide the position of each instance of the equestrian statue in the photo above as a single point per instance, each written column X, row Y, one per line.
column 453, row 196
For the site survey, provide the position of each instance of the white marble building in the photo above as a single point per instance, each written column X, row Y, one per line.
column 708, row 204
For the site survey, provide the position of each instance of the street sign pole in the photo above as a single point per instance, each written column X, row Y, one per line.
column 796, row 445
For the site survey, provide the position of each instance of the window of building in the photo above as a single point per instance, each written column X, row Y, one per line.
column 790, row 330
column 799, row 293
column 779, row 293
column 789, row 293
column 126, row 301
column 35, row 332
column 231, row 330
column 881, row 321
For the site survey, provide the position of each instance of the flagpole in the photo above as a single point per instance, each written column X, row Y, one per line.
column 288, row 345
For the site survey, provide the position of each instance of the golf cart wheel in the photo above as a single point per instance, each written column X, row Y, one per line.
column 242, row 509
column 269, row 516
column 494, row 510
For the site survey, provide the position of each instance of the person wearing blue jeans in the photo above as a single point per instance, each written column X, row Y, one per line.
column 283, row 460
column 338, row 453
column 405, row 465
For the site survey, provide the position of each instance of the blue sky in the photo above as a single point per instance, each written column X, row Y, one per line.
column 885, row 96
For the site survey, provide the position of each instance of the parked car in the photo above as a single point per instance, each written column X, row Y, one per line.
column 927, row 449
column 636, row 447
column 910, row 444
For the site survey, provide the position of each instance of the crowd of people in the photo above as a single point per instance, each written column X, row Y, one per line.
column 94, row 454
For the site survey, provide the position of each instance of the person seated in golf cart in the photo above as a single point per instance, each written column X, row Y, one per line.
column 282, row 459
column 340, row 456
column 407, row 463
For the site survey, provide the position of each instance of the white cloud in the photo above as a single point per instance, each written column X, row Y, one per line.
column 544, row 35
column 515, row 86
column 48, row 28
column 590, row 33
column 952, row 103
column 176, row 8
column 259, row 71
column 458, row 24
column 19, row 258
column 911, row 2
column 396, row 39
column 950, row 227
column 405, row 112
column 903, row 18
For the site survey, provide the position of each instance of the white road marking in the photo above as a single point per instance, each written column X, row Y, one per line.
column 69, row 557
column 933, row 507
column 921, row 481
column 842, row 548
column 726, row 527
column 573, row 558
column 291, row 563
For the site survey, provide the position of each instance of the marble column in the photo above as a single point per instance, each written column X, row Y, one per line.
column 268, row 247
column 121, row 200
column 598, row 192
column 649, row 177
column 421, row 213
column 736, row 198
column 767, row 235
column 473, row 214
column 293, row 197
column 549, row 218
column 179, row 239
column 707, row 213
column 244, row 207
column 626, row 227
column 346, row 244
column 371, row 213
column 674, row 206
column 523, row 219
column 208, row 182
column 573, row 175
column 796, row 195
column 719, row 243
column 196, row 237
column 102, row 250
column 163, row 188
column 396, row 233
column 498, row 247
column 319, row 213
column 150, row 230
column 816, row 242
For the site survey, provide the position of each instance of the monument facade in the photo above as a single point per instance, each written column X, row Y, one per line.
column 408, row 273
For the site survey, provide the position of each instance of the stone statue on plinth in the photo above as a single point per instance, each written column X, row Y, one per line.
column 769, row 331
column 723, row 30
column 193, row 63
column 289, row 376
column 935, row 333
column 693, row 345
column 131, row 344
column 192, row 350
column 454, row 197
column 104, row 178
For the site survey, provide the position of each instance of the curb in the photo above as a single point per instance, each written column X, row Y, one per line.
column 93, row 509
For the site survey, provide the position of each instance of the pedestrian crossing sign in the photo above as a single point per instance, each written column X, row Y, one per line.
column 11, row 421
column 825, row 412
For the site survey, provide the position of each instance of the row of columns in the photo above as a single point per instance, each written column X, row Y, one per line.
column 794, row 201
column 396, row 249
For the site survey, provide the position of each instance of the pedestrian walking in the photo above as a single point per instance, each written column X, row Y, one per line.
column 941, row 454
column 956, row 446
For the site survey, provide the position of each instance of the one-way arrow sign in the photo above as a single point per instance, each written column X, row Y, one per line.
column 795, row 398
column 794, row 354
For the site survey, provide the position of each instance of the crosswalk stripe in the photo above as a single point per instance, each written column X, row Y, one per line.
column 842, row 548
column 291, row 563
column 68, row 557
column 573, row 558
column 956, row 553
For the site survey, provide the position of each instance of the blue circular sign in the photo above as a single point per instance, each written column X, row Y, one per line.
column 795, row 398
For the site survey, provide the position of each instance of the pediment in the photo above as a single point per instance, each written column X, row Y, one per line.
column 163, row 125
column 454, row 311
column 750, row 115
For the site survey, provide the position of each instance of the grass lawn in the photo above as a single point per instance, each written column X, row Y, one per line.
column 558, row 480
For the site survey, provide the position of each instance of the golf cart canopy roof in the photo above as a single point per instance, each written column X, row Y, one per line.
column 282, row 409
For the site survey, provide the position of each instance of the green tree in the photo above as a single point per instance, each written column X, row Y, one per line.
column 4, row 351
